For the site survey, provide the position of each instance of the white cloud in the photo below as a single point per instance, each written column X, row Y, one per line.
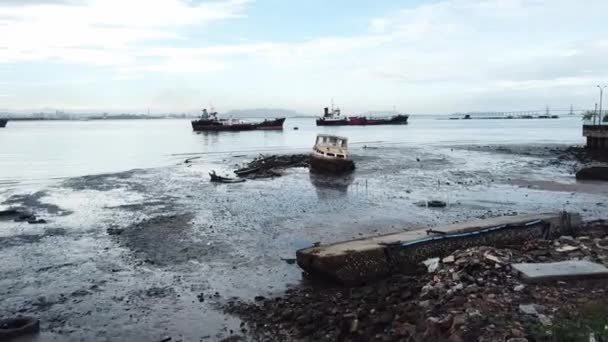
column 100, row 32
column 458, row 48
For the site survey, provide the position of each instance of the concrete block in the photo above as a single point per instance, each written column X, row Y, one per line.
column 364, row 260
column 563, row 270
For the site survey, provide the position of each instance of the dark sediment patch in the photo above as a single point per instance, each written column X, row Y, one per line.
column 161, row 205
column 17, row 240
column 560, row 153
column 33, row 202
column 166, row 240
column 106, row 182
column 590, row 187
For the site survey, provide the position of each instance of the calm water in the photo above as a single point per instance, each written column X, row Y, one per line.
column 41, row 151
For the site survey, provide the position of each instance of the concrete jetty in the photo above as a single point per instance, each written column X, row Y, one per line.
column 364, row 260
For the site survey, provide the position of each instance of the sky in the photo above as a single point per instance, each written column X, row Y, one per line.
column 418, row 56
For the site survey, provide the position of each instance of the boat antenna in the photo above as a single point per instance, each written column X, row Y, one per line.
column 332, row 104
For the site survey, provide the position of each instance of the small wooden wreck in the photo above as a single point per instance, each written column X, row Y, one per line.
column 330, row 155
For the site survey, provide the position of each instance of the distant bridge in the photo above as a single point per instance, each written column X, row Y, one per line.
column 522, row 113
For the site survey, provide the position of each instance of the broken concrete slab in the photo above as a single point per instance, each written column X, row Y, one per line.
column 363, row 260
column 563, row 270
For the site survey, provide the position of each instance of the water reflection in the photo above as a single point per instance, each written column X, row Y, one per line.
column 330, row 187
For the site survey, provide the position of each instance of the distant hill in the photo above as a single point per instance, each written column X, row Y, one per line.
column 261, row 113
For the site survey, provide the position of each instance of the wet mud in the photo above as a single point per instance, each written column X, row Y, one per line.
column 150, row 254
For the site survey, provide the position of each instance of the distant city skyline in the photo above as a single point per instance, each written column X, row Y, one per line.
column 175, row 56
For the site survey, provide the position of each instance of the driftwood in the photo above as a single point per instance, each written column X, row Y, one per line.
column 267, row 167
column 220, row 179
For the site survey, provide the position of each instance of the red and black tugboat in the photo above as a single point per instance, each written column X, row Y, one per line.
column 211, row 122
column 3, row 123
column 335, row 118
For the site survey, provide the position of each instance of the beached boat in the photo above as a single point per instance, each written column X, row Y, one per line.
column 335, row 118
column 330, row 155
column 210, row 121
column 3, row 123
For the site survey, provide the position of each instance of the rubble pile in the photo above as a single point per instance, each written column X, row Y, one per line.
column 470, row 295
column 268, row 167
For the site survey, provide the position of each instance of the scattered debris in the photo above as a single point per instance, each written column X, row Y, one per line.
column 471, row 295
column 431, row 204
column 431, row 264
column 289, row 261
column 219, row 179
column 268, row 167
column 567, row 249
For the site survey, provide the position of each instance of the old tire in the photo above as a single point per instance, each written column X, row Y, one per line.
column 19, row 326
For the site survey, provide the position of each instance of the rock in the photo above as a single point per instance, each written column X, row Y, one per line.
column 566, row 239
column 457, row 301
column 384, row 318
column 424, row 303
column 405, row 329
column 458, row 320
column 24, row 218
column 455, row 337
column 354, row 325
column 531, row 309
column 566, row 249
column 517, row 333
column 518, row 339
column 38, row 221
column 259, row 298
column 492, row 258
column 471, row 289
column 114, row 231
column 473, row 313
column 201, row 297
column 446, row 322
column 448, row 260
column 544, row 320
column 431, row 264
column 519, row 288
column 436, row 204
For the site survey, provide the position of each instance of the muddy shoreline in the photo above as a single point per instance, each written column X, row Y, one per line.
column 128, row 256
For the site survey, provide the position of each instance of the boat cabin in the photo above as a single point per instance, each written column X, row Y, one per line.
column 331, row 146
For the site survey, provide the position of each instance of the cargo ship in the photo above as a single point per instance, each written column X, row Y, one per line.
column 335, row 118
column 210, row 121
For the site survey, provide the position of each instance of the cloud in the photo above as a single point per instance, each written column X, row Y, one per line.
column 461, row 49
column 101, row 32
column 38, row 2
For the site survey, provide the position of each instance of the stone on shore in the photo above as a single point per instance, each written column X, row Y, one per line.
column 564, row 270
